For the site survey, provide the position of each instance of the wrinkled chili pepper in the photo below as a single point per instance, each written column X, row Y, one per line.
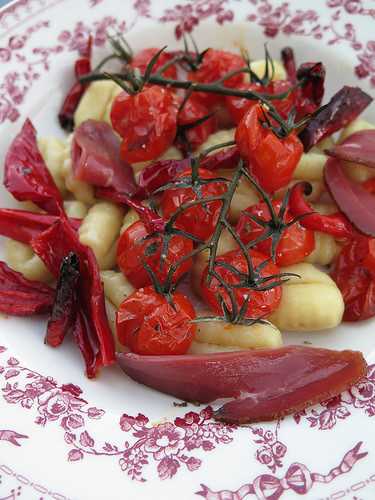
column 344, row 107
column 354, row 274
column 311, row 90
column 81, row 336
column 81, row 68
column 289, row 62
column 26, row 176
column 151, row 219
column 23, row 226
column 336, row 224
column 52, row 246
column 64, row 311
column 22, row 297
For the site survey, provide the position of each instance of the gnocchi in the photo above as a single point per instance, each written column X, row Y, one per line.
column 53, row 152
column 116, row 287
column 93, row 104
column 21, row 258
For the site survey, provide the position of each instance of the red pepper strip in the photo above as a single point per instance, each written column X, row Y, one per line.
column 81, row 68
column 344, row 107
column 82, row 339
column 337, row 225
column 151, row 219
column 22, row 297
column 310, row 93
column 26, row 175
column 64, row 311
column 289, row 62
column 23, row 226
column 52, row 246
column 269, row 383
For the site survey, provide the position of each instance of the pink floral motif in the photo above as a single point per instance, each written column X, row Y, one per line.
column 298, row 479
column 271, row 450
column 328, row 413
column 11, row 436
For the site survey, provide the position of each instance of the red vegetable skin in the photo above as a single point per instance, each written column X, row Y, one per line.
column 344, row 107
column 96, row 158
column 23, row 226
column 336, row 225
column 353, row 200
column 147, row 123
column 150, row 325
column 87, row 346
column 296, row 241
column 81, row 68
column 354, row 272
column 192, row 111
column 64, row 311
column 26, row 176
column 310, row 93
column 358, row 148
column 52, row 246
column 270, row 383
column 22, row 297
column 289, row 63
column 261, row 303
column 272, row 160
column 133, row 250
column 142, row 59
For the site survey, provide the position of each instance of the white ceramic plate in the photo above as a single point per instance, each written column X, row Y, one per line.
column 64, row 437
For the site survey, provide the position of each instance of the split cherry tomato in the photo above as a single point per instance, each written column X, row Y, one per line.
column 147, row 123
column 148, row 324
column 272, row 160
column 354, row 274
column 133, row 249
column 261, row 303
column 199, row 220
column 142, row 58
column 295, row 243
column 216, row 64
column 192, row 111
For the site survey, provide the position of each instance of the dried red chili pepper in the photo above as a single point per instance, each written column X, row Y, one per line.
column 26, row 176
column 311, row 90
column 151, row 219
column 81, row 68
column 23, row 226
column 269, row 383
column 336, row 224
column 52, row 246
column 22, row 297
column 82, row 339
column 354, row 274
column 64, row 311
column 289, row 62
column 369, row 186
column 344, row 107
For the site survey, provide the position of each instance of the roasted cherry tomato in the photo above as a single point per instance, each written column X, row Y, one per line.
column 261, row 303
column 147, row 123
column 272, row 160
column 199, row 220
column 149, row 324
column 295, row 243
column 238, row 106
column 193, row 110
column 354, row 274
column 216, row 64
column 142, row 58
column 134, row 248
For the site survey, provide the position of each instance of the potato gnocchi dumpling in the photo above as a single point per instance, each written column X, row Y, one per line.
column 54, row 153
column 22, row 258
column 93, row 104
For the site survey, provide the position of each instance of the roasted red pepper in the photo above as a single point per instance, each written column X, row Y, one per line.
column 22, row 297
column 354, row 274
column 52, row 246
column 336, row 224
column 269, row 383
column 23, row 226
column 81, row 68
column 26, row 176
column 64, row 311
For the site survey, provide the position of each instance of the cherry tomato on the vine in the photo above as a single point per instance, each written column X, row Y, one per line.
column 272, row 160
column 146, row 121
column 295, row 243
column 134, row 248
column 261, row 303
column 238, row 106
column 216, row 64
column 150, row 325
column 193, row 110
column 199, row 220
column 142, row 58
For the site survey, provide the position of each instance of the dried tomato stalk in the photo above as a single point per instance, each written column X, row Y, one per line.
column 64, row 311
column 22, row 297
